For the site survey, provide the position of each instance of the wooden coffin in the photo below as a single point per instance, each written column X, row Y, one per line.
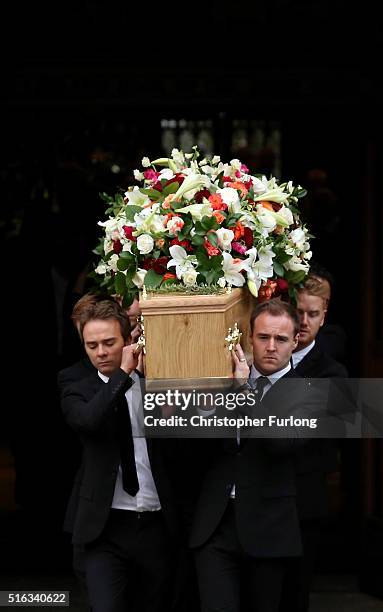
column 185, row 334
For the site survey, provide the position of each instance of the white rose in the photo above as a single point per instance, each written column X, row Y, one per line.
column 145, row 244
column 225, row 238
column 145, row 162
column 298, row 237
column 189, row 277
column 101, row 268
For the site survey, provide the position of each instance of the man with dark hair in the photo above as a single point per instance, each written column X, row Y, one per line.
column 122, row 508
column 246, row 516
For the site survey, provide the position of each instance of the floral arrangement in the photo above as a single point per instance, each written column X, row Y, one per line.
column 195, row 223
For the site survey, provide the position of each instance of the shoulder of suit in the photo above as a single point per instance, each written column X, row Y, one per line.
column 83, row 383
column 326, row 363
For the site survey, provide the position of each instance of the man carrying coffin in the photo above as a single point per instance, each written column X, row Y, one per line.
column 246, row 522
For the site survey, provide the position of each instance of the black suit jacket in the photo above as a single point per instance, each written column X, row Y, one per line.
column 263, row 472
column 79, row 370
column 319, row 456
column 89, row 407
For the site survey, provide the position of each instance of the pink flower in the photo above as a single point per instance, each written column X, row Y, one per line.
column 244, row 169
column 151, row 175
column 239, row 248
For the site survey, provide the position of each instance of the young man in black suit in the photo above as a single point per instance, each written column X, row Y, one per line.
column 246, row 519
column 122, row 509
column 317, row 459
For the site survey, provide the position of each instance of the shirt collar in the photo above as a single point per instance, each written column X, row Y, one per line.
column 133, row 375
column 299, row 355
column 254, row 373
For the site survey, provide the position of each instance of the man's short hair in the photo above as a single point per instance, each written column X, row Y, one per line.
column 319, row 287
column 105, row 309
column 85, row 303
column 276, row 308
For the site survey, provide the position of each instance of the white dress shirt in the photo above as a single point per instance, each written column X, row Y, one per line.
column 147, row 497
column 299, row 355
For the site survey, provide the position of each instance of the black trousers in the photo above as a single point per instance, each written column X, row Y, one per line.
column 230, row 580
column 298, row 578
column 129, row 567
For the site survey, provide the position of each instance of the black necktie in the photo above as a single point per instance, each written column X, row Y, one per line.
column 125, row 437
column 260, row 384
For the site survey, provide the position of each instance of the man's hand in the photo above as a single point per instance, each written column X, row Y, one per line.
column 240, row 368
column 129, row 359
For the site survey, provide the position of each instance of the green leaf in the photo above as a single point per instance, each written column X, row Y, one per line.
column 172, row 188
column 208, row 223
column 278, row 268
column 295, row 277
column 212, row 238
column 127, row 255
column 153, row 194
column 203, row 260
column 132, row 210
column 211, row 276
column 216, row 262
column 152, row 279
column 197, row 240
column 106, row 197
column 170, row 281
column 127, row 264
column 119, row 200
column 119, row 283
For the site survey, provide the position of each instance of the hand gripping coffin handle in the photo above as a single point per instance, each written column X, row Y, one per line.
column 233, row 337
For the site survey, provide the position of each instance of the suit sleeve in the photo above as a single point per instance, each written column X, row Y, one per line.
column 87, row 408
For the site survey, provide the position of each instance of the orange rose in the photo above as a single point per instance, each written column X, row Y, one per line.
column 218, row 216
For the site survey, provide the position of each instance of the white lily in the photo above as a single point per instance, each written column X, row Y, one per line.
column 192, row 181
column 181, row 260
column 232, row 270
column 273, row 195
column 137, row 198
column 197, row 211
column 259, row 269
column 296, row 264
column 139, row 278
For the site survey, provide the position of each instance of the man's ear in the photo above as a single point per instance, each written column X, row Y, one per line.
column 128, row 340
column 296, row 338
column 324, row 317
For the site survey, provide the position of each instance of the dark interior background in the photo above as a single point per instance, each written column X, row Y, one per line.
column 91, row 86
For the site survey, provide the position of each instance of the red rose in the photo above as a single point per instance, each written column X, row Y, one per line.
column 158, row 265
column 204, row 193
column 248, row 237
column 282, row 284
column 117, row 246
column 128, row 231
column 182, row 243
